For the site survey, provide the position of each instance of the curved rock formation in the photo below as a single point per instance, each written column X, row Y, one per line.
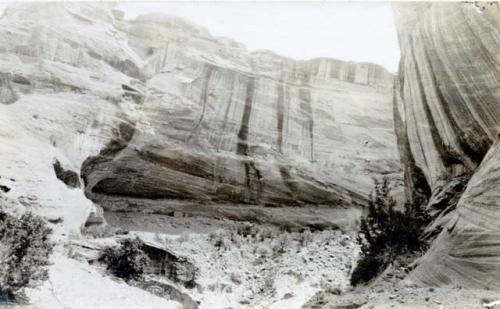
column 447, row 116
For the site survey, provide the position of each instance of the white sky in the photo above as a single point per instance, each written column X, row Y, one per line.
column 355, row 31
column 302, row 30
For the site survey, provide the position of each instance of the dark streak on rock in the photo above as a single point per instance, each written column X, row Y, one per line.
column 226, row 113
column 280, row 111
column 417, row 188
column 251, row 171
column 476, row 151
column 242, row 146
column 436, row 138
column 305, row 97
column 203, row 99
column 288, row 181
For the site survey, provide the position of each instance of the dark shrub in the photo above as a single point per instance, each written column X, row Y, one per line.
column 126, row 261
column 387, row 233
column 367, row 268
column 25, row 248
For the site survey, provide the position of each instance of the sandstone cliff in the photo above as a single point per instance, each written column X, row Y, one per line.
column 221, row 124
column 161, row 110
column 447, row 116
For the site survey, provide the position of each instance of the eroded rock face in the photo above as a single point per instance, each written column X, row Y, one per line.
column 448, row 89
column 161, row 110
column 220, row 124
column 68, row 102
column 69, row 177
column 467, row 252
column 447, row 117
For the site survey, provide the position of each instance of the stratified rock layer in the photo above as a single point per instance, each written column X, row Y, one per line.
column 447, row 116
column 219, row 124
column 158, row 109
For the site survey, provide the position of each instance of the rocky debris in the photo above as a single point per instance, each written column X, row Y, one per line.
column 169, row 291
column 390, row 291
column 164, row 262
column 96, row 217
column 57, row 220
column 4, row 188
column 21, row 80
column 447, row 117
column 136, row 95
column 69, row 177
column 258, row 266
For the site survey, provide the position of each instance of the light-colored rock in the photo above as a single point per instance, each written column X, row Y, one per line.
column 448, row 89
column 167, row 111
column 447, row 118
column 467, row 252
column 220, row 124
column 68, row 102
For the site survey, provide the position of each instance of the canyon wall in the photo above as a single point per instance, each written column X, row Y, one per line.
column 156, row 109
column 447, row 116
column 220, row 124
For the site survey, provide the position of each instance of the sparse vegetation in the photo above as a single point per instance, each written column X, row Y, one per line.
column 266, row 241
column 387, row 233
column 127, row 261
column 25, row 248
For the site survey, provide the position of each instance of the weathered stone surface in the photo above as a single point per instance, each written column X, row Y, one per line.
column 448, row 88
column 7, row 93
column 220, row 124
column 166, row 263
column 467, row 252
column 69, row 177
column 68, row 102
column 447, row 118
column 165, row 111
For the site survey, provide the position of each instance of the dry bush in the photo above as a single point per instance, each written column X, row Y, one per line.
column 25, row 248
column 127, row 261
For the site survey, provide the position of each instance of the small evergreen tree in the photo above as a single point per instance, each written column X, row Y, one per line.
column 25, row 248
column 126, row 261
column 386, row 232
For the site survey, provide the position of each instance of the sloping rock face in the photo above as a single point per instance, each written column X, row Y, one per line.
column 158, row 109
column 63, row 100
column 447, row 116
column 219, row 124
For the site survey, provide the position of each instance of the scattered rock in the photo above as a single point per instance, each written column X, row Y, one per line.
column 55, row 220
column 96, row 216
column 165, row 262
